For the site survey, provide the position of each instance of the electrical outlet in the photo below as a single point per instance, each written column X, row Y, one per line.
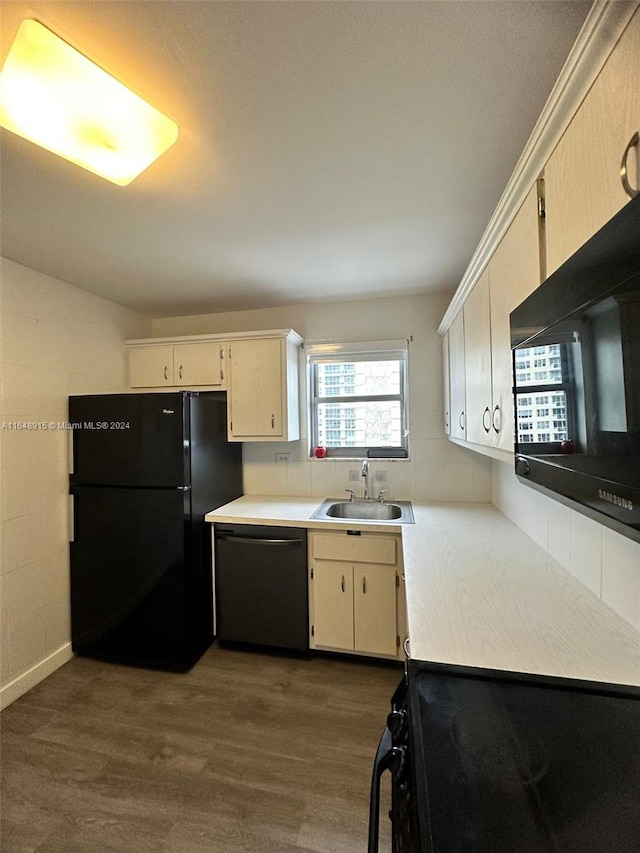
column 380, row 477
column 283, row 458
column 354, row 475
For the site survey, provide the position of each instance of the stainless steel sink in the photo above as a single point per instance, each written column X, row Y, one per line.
column 360, row 510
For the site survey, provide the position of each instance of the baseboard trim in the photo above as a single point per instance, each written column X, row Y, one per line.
column 24, row 682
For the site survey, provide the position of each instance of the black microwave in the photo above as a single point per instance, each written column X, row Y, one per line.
column 576, row 378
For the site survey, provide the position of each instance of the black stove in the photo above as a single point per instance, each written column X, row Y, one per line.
column 485, row 761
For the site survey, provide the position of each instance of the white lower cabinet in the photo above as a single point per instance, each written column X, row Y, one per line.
column 374, row 610
column 333, row 605
column 356, row 595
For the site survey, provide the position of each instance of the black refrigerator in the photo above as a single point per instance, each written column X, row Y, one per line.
column 145, row 470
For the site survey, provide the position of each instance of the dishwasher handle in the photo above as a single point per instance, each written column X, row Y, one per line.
column 254, row 540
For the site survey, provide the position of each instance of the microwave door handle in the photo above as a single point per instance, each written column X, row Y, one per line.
column 381, row 762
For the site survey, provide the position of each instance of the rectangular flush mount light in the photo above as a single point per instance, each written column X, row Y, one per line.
column 54, row 96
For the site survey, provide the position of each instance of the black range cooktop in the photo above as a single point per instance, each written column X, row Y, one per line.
column 523, row 764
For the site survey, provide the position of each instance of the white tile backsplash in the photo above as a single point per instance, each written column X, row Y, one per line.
column 402, row 481
column 323, row 478
column 430, row 481
column 604, row 560
column 560, row 535
column 482, row 480
column 458, row 481
column 299, row 478
column 620, row 575
column 586, row 551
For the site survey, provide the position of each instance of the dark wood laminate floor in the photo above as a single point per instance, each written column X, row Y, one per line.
column 247, row 753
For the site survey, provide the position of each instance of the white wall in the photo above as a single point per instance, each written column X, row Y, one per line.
column 605, row 561
column 56, row 340
column 437, row 469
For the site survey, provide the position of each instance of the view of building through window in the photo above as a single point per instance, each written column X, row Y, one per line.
column 542, row 413
column 367, row 420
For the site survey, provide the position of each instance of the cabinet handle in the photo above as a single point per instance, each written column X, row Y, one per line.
column 273, row 421
column 221, row 375
column 180, row 372
column 166, row 372
column 461, row 420
column 486, row 412
column 497, row 417
column 632, row 192
column 364, row 585
column 342, row 584
column 446, row 420
column 405, row 646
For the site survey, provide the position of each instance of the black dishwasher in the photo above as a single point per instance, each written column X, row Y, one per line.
column 261, row 585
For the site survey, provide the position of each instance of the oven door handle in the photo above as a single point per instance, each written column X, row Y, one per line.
column 386, row 757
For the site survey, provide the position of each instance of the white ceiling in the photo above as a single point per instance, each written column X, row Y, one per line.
column 326, row 149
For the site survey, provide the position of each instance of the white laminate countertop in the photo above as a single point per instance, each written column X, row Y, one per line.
column 481, row 593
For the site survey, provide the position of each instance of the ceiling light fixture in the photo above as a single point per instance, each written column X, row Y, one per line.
column 54, row 96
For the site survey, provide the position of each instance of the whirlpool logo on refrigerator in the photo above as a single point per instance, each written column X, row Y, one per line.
column 616, row 500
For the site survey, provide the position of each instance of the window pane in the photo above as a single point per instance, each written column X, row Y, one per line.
column 361, row 424
column 539, row 365
column 358, row 378
column 533, row 423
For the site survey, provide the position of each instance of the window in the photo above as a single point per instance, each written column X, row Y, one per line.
column 358, row 398
column 550, row 365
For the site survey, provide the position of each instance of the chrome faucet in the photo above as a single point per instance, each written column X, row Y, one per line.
column 365, row 475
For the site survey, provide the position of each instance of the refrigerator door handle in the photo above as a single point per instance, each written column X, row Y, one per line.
column 184, row 488
column 72, row 518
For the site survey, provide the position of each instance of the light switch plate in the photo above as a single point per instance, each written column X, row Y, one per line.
column 380, row 477
column 354, row 476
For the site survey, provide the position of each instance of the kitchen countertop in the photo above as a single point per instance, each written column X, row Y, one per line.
column 481, row 593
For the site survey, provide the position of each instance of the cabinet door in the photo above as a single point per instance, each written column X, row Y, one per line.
column 582, row 177
column 456, row 376
column 150, row 367
column 333, row 605
column 374, row 608
column 447, row 387
column 514, row 273
column 198, row 364
column 477, row 362
column 256, row 384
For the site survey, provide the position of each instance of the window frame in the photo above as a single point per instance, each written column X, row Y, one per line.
column 349, row 353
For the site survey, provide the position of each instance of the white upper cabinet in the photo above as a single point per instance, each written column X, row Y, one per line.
column 199, row 364
column 150, row 366
column 447, row 384
column 259, row 371
column 583, row 181
column 263, row 389
column 177, row 365
column 510, row 276
column 456, row 377
column 477, row 362
column 514, row 273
